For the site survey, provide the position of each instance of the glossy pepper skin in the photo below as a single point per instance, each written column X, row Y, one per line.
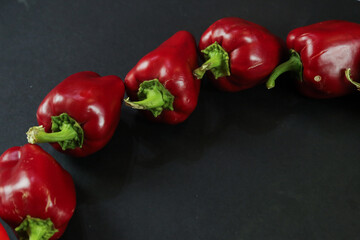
column 162, row 82
column 239, row 54
column 320, row 55
column 86, row 108
column 33, row 184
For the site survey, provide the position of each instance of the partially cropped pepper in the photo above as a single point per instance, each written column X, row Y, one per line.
column 6, row 232
column 322, row 55
column 239, row 54
column 3, row 234
column 80, row 115
column 162, row 83
column 37, row 196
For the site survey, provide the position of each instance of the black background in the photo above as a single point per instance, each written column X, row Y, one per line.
column 256, row 164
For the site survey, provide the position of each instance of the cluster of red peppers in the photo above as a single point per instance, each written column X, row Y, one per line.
column 79, row 116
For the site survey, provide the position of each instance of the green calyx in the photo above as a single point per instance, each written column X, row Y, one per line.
column 348, row 77
column 294, row 64
column 153, row 96
column 217, row 61
column 65, row 131
column 35, row 229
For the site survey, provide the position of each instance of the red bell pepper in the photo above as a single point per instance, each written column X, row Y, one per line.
column 162, row 81
column 80, row 115
column 239, row 54
column 320, row 53
column 37, row 196
column 3, row 233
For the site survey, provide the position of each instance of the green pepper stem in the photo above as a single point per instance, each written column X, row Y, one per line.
column 66, row 131
column 36, row 229
column 213, row 62
column 37, row 134
column 217, row 61
column 153, row 96
column 348, row 77
column 153, row 100
column 294, row 64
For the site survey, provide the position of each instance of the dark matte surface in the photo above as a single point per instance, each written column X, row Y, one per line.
column 257, row 164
